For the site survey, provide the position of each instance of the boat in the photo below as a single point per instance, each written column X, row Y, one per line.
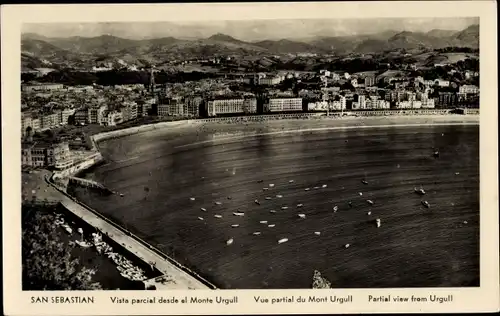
column 291, row 181
column 218, row 203
column 465, row 222
column 265, row 189
column 263, row 222
column 83, row 244
column 238, row 214
column 282, row 240
column 271, row 185
column 260, row 181
column 121, row 194
column 229, row 198
column 235, row 225
column 192, row 198
column 302, row 215
column 217, row 216
column 335, row 208
column 203, row 209
column 299, row 205
column 230, row 241
column 315, row 188
column 436, row 153
column 364, row 182
column 350, row 204
column 284, row 207
column 360, row 193
column 420, row 191
column 257, row 202
column 256, row 233
column 201, row 218
column 307, row 189
column 324, row 186
column 347, row 245
column 268, row 197
column 457, row 173
column 369, row 213
column 279, row 196
column 272, row 211
column 317, row 233
column 369, row 202
column 271, row 225
column 378, row 222
column 426, row 204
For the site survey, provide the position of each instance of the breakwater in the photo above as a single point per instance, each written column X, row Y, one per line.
column 180, row 276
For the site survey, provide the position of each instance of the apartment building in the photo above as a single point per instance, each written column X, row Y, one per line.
column 369, row 81
column 192, row 106
column 41, row 154
column 284, row 104
column 231, row 106
column 468, row 89
column 96, row 114
column 41, row 87
column 51, row 120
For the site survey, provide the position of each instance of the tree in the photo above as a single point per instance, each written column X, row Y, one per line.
column 47, row 262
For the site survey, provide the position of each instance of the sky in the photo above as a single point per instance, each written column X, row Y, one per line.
column 249, row 30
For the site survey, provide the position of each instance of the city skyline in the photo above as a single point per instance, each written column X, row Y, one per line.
column 252, row 30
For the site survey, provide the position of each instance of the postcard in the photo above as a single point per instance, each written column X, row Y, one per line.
column 250, row 158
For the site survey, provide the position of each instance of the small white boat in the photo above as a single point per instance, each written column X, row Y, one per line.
column 268, row 198
column 426, row 204
column 265, row 189
column 317, row 233
column 364, row 182
column 271, row 185
column 465, row 222
column 315, row 188
column 282, row 240
column 230, row 241
column 302, row 215
column 335, row 208
column 307, row 189
column 360, row 193
column 192, row 199
column 256, row 233
column 299, row 205
column 291, row 181
column 369, row 213
column 324, row 186
column 420, row 191
column 271, row 225
column 238, row 214
column 369, row 202
column 235, row 225
column 218, row 203
column 257, row 202
column 122, row 195
column 203, row 209
column 263, row 222
column 272, row 211
column 284, row 207
column 279, row 196
column 217, row 216
column 379, row 223
column 201, row 218
column 457, row 173
column 347, row 245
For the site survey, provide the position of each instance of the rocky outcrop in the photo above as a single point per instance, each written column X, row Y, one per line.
column 320, row 282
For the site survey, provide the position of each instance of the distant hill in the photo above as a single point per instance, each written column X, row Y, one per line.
column 157, row 50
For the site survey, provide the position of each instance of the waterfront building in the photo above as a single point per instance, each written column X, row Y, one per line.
column 447, row 100
column 96, row 114
column 231, row 106
column 113, row 118
column 51, row 120
column 41, row 154
column 81, row 116
column 284, row 104
column 192, row 106
column 129, row 111
column 65, row 114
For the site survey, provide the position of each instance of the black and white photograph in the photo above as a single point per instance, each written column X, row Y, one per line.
column 256, row 154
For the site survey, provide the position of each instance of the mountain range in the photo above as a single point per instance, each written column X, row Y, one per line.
column 59, row 50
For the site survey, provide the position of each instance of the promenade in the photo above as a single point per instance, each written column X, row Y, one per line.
column 36, row 188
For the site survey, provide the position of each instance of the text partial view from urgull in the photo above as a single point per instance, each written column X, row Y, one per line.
column 271, row 158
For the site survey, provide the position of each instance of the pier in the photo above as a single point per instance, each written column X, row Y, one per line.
column 87, row 183
column 175, row 276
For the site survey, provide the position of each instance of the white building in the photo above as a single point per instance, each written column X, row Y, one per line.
column 285, row 104
column 231, row 106
column 468, row 89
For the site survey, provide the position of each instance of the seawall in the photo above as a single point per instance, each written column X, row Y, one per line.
column 179, row 277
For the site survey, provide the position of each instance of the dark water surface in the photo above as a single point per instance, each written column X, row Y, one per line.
column 414, row 247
